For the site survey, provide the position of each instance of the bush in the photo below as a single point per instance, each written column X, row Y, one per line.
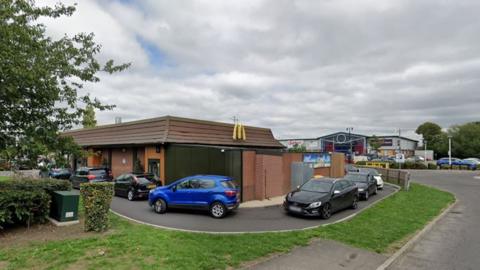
column 20, row 206
column 48, row 185
column 96, row 199
column 432, row 166
column 27, row 200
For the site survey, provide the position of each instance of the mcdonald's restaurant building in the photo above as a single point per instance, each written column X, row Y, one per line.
column 174, row 147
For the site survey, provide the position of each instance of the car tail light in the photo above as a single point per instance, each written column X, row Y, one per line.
column 230, row 193
column 110, row 174
column 90, row 177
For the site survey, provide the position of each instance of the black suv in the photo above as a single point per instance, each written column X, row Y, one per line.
column 91, row 175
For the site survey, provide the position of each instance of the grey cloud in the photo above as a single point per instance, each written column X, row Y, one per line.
column 303, row 68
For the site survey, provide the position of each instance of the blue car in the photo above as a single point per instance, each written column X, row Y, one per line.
column 471, row 163
column 445, row 162
column 217, row 194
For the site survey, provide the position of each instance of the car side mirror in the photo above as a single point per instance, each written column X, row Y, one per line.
column 298, row 187
column 174, row 188
column 336, row 192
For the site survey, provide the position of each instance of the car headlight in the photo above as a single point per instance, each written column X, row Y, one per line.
column 360, row 189
column 314, row 205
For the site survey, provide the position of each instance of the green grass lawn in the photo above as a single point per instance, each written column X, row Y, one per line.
column 3, row 178
column 380, row 228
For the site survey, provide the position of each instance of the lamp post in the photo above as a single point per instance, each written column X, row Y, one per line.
column 425, row 153
column 450, row 151
column 350, row 129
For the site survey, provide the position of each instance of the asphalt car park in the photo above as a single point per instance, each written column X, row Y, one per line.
column 260, row 219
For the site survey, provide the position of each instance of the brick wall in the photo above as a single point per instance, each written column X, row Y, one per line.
column 265, row 176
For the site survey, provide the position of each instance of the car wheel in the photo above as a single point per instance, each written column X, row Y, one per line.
column 367, row 195
column 160, row 206
column 218, row 210
column 326, row 211
column 355, row 202
column 130, row 195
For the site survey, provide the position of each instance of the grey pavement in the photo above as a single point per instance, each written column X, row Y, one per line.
column 243, row 220
column 324, row 254
column 454, row 242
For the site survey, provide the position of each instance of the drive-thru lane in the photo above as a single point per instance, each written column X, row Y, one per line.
column 243, row 220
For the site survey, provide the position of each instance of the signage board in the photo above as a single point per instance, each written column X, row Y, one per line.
column 318, row 159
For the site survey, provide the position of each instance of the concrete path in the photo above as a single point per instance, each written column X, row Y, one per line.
column 260, row 219
column 454, row 242
column 324, row 254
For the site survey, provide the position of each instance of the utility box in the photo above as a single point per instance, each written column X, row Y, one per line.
column 64, row 206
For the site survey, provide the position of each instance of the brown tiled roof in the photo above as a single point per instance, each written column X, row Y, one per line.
column 169, row 129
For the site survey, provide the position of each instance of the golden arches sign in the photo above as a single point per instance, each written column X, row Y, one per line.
column 239, row 132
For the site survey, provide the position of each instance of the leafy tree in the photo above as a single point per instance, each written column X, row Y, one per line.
column 40, row 77
column 298, row 148
column 466, row 140
column 429, row 131
column 375, row 143
column 89, row 117
column 437, row 140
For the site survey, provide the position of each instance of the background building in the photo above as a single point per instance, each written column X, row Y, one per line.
column 357, row 144
column 391, row 144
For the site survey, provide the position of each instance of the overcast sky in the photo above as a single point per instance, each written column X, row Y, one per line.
column 302, row 68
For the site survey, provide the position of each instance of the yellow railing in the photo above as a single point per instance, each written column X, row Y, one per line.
column 378, row 164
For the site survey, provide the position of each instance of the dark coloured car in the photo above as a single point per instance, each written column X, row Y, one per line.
column 376, row 175
column 366, row 183
column 91, row 175
column 218, row 194
column 135, row 185
column 322, row 197
column 60, row 173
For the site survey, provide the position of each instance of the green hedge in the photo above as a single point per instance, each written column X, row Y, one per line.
column 26, row 200
column 20, row 206
column 96, row 199
column 48, row 185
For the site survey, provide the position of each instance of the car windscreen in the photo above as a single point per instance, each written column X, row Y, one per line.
column 317, row 186
column 228, row 184
column 356, row 177
column 144, row 180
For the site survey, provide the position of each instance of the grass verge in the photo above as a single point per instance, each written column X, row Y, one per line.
column 380, row 228
column 3, row 178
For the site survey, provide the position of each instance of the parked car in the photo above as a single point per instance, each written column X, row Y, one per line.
column 217, row 194
column 472, row 163
column 445, row 162
column 91, row 175
column 376, row 175
column 135, row 185
column 365, row 182
column 415, row 159
column 322, row 197
column 60, row 173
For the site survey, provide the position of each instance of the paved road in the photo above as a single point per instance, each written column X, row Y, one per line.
column 324, row 254
column 243, row 220
column 454, row 242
